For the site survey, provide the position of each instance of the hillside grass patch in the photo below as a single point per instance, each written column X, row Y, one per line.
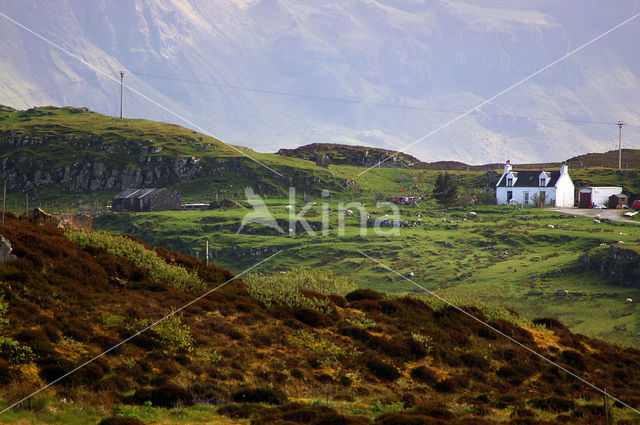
column 122, row 246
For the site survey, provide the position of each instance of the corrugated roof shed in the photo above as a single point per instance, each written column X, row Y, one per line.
column 137, row 193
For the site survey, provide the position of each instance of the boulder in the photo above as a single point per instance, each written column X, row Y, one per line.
column 5, row 250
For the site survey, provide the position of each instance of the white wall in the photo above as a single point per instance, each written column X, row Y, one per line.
column 565, row 191
column 600, row 195
column 518, row 194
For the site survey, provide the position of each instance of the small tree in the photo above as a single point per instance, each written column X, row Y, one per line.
column 446, row 190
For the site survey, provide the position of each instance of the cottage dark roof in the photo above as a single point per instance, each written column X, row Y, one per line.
column 138, row 193
column 530, row 179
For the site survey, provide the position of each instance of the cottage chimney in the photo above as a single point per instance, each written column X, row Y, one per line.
column 564, row 168
column 507, row 166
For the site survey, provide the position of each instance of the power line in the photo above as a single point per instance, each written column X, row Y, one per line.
column 358, row 102
column 71, row 83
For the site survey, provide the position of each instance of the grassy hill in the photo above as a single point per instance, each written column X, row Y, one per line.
column 53, row 151
column 296, row 347
column 630, row 160
column 68, row 157
column 504, row 256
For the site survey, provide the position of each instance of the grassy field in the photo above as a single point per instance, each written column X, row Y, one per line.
column 502, row 256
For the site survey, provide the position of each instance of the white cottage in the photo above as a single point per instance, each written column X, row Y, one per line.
column 530, row 187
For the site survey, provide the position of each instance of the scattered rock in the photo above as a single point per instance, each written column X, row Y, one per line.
column 596, row 221
column 473, row 214
column 550, row 226
column 562, row 293
column 628, row 300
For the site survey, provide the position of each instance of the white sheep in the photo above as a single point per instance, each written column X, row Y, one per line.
column 287, row 208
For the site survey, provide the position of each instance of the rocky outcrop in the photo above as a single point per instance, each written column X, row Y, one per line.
column 90, row 163
column 619, row 263
column 5, row 250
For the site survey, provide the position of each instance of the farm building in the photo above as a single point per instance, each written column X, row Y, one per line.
column 618, row 201
column 535, row 187
column 149, row 199
column 596, row 195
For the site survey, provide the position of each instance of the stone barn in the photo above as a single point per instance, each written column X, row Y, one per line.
column 151, row 199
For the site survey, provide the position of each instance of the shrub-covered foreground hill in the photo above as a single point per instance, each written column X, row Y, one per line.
column 297, row 347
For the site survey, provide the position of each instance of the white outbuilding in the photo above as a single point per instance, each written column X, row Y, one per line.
column 597, row 195
column 535, row 187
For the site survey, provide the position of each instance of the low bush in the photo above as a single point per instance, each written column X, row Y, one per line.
column 239, row 410
column 259, row 395
column 364, row 294
column 120, row 420
column 381, row 368
column 209, row 392
column 552, row 404
column 299, row 288
column 164, row 396
column 550, row 323
column 424, row 374
column 451, row 384
column 407, row 419
column 310, row 317
column 173, row 334
column 573, row 359
column 474, row 361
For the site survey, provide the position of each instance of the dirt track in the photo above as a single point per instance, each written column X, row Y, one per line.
column 615, row 215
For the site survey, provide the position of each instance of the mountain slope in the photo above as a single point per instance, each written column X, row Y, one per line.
column 252, row 344
column 276, row 73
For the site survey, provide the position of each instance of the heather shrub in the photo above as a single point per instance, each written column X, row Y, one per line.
column 122, row 246
column 120, row 420
column 552, row 404
column 10, row 349
column 259, row 395
column 424, row 374
column 239, row 410
column 163, row 396
column 382, row 368
column 328, row 352
column 364, row 294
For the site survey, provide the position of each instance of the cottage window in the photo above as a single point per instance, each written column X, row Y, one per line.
column 526, row 198
column 509, row 195
column 543, row 181
column 509, row 181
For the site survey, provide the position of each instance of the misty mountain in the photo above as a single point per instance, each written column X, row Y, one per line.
column 278, row 73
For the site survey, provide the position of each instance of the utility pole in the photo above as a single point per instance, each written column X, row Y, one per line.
column 620, row 124
column 121, row 90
